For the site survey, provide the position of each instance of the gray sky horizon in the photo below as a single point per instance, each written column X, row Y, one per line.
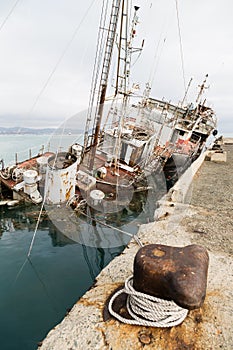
column 48, row 50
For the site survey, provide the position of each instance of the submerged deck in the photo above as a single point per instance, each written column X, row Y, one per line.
column 119, row 175
column 29, row 164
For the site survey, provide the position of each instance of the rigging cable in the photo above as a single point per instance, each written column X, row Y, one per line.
column 181, row 47
column 43, row 203
column 159, row 48
column 135, row 237
column 36, row 228
column 28, row 260
column 61, row 57
column 157, row 57
column 9, row 14
column 96, row 70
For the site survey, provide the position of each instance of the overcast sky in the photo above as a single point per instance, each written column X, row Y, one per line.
column 48, row 48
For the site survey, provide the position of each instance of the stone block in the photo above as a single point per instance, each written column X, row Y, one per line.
column 219, row 156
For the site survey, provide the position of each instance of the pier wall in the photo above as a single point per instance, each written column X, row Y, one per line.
column 197, row 210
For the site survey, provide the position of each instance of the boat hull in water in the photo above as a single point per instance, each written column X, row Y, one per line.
column 133, row 151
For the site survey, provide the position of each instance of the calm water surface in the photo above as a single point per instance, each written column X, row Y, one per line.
column 35, row 294
column 35, row 298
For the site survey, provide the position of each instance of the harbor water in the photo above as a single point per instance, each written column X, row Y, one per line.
column 36, row 293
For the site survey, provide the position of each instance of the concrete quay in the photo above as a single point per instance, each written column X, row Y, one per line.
column 198, row 210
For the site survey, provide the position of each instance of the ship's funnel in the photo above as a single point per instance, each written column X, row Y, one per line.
column 61, row 178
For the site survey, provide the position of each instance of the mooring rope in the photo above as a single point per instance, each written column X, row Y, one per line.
column 147, row 310
column 135, row 237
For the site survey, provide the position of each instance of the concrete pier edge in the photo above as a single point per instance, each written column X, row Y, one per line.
column 205, row 328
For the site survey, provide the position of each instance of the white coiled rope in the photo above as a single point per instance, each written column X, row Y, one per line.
column 147, row 310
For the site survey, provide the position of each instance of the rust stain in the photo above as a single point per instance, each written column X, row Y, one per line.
column 68, row 192
column 51, row 178
column 145, row 337
column 87, row 302
column 183, row 337
column 65, row 174
column 190, row 335
column 158, row 252
column 215, row 293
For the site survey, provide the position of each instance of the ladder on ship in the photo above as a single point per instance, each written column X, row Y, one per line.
column 111, row 35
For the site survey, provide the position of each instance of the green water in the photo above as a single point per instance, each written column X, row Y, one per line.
column 23, row 146
column 35, row 294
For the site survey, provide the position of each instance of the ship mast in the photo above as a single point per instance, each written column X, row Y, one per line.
column 119, row 8
column 202, row 88
column 111, row 35
column 125, row 50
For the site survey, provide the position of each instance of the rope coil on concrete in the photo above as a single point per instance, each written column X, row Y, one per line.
column 147, row 310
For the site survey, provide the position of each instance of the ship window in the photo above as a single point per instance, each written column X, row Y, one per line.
column 181, row 132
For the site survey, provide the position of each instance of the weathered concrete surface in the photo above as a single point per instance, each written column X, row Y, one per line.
column 206, row 220
column 218, row 156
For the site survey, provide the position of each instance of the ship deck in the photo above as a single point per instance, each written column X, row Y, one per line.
column 116, row 175
column 29, row 164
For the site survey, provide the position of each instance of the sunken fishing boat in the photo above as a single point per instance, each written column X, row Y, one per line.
column 127, row 137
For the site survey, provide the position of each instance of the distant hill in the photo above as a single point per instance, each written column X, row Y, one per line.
column 18, row 130
column 45, row 131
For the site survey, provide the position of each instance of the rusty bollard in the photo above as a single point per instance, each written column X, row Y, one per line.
column 172, row 273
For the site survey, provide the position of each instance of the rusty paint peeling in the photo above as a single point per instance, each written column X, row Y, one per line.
column 190, row 335
column 68, row 192
column 65, row 174
column 158, row 252
column 186, row 336
column 161, row 271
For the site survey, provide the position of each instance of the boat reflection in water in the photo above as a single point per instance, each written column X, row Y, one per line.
column 36, row 293
column 64, row 231
column 104, row 224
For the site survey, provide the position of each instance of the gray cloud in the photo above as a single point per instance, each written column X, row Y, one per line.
column 37, row 33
